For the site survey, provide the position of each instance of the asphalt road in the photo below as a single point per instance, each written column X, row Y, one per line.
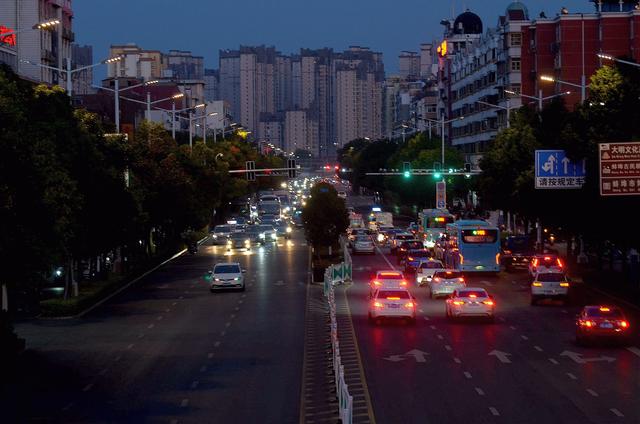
column 524, row 368
column 167, row 350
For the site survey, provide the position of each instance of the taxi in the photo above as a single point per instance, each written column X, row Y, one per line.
column 392, row 303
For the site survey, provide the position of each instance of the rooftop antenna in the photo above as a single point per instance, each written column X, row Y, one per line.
column 453, row 9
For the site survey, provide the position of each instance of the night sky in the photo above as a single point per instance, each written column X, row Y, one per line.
column 204, row 26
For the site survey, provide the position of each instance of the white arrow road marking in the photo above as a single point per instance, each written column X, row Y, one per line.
column 571, row 376
column 538, row 348
column 634, row 350
column 479, row 391
column 553, row 361
column 577, row 358
column 502, row 356
column 417, row 354
column 394, row 358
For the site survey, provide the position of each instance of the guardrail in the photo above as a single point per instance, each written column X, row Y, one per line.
column 345, row 400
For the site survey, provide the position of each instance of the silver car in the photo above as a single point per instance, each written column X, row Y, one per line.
column 364, row 244
column 446, row 282
column 220, row 233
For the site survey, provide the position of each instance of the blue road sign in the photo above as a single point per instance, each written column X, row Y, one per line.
column 554, row 170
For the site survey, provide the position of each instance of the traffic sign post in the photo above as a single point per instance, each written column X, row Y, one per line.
column 291, row 164
column 554, row 170
column 250, row 167
column 441, row 195
column 619, row 169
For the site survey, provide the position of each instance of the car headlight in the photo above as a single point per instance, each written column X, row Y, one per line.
column 419, row 279
column 215, row 236
column 273, row 236
column 261, row 235
column 229, row 242
column 289, row 229
column 216, row 279
column 247, row 241
column 236, row 279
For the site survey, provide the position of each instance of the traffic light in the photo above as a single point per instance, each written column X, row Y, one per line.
column 437, row 170
column 467, row 170
column 251, row 165
column 406, row 167
column 291, row 164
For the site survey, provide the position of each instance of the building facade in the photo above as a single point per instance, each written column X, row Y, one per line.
column 83, row 80
column 136, row 63
column 211, row 84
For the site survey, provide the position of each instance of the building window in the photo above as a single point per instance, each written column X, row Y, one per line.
column 516, row 88
column 516, row 39
column 515, row 64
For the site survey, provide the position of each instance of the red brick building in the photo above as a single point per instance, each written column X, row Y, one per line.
column 565, row 46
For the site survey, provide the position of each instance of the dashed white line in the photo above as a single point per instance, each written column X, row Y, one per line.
column 592, row 392
column 141, row 335
column 216, row 344
column 232, row 316
column 130, row 346
column 433, row 327
column 447, row 347
column 181, row 297
column 421, row 311
column 210, row 355
column 150, row 326
column 479, row 391
column 184, row 403
column 494, row 411
column 512, row 327
column 571, row 376
column 634, row 350
column 222, row 333
column 502, row 319
column 174, row 303
column 457, row 360
column 87, row 387
column 237, row 308
column 117, row 358
column 160, row 318
column 467, row 374
column 426, row 318
column 227, row 324
column 186, row 292
column 524, row 337
column 439, row 336
column 167, row 310
column 538, row 348
column 240, row 301
column 68, row 406
column 203, row 368
column 244, row 295
column 616, row 412
column 564, row 311
column 553, row 361
column 104, row 371
column 194, row 384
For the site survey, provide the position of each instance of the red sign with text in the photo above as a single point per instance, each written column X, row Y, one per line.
column 620, row 169
column 7, row 39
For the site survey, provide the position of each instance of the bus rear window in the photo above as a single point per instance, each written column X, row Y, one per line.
column 479, row 236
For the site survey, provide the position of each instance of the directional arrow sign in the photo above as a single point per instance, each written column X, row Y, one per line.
column 577, row 358
column 565, row 163
column 417, row 354
column 502, row 356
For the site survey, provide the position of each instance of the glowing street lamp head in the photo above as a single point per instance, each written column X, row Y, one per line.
column 151, row 82
column 113, row 59
column 177, row 96
column 47, row 24
column 199, row 106
column 547, row 78
column 605, row 56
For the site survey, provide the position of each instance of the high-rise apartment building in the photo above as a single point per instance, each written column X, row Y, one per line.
column 211, row 84
column 82, row 81
column 409, row 64
column 182, row 65
column 46, row 47
column 136, row 63
column 229, row 61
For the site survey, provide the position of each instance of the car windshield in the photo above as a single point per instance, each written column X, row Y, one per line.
column 472, row 293
column 265, row 227
column 400, row 294
column 431, row 265
column 389, row 275
column 449, row 274
column 238, row 236
column 605, row 313
column 226, row 269
column 222, row 229
column 363, row 238
column 551, row 277
column 419, row 253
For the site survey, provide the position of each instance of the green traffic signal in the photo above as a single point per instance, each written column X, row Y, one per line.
column 407, row 174
column 437, row 175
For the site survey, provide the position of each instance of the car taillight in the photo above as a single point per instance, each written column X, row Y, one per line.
column 461, row 279
column 409, row 305
column 507, row 252
column 377, row 283
column 403, row 283
column 378, row 305
column 564, row 284
column 497, row 258
column 436, row 279
column 623, row 324
column 587, row 323
column 535, row 262
column 458, row 302
column 488, row 302
column 410, row 259
column 536, row 284
column 393, row 298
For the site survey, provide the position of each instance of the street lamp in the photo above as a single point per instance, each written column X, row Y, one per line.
column 442, row 122
column 507, row 108
column 70, row 71
column 46, row 25
column 116, row 90
column 583, row 86
column 539, row 98
column 615, row 59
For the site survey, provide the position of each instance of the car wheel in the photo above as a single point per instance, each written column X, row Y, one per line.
column 242, row 288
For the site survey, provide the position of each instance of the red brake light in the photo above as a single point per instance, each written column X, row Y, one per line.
column 547, row 258
column 403, row 283
column 436, row 279
column 448, row 272
column 560, row 263
column 535, row 262
column 488, row 302
column 393, row 298
column 604, row 309
column 409, row 305
column 461, row 279
column 410, row 258
column 587, row 323
column 473, row 295
column 623, row 324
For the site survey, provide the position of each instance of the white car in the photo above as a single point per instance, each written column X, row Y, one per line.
column 239, row 241
column 342, row 194
column 392, row 303
column 363, row 244
column 446, row 282
column 387, row 279
column 545, row 263
column 220, row 233
column 470, row 302
column 426, row 269
column 549, row 285
column 267, row 233
column 225, row 276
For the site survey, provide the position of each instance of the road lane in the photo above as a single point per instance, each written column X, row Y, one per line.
column 169, row 350
column 519, row 381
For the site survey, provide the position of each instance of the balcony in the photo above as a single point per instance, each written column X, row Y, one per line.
column 69, row 35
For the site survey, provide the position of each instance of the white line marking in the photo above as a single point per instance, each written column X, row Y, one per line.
column 117, row 358
column 130, row 346
column 216, row 344
column 385, row 258
column 184, row 403
column 421, row 311
column 457, row 360
column 194, row 384
column 222, row 333
column 150, row 326
column 538, row 348
column 244, row 295
column 174, row 303
column 233, row 316
column 433, row 327
column 237, row 308
column 513, row 282
column 524, row 337
column 480, row 391
column 186, row 292
column 210, row 355
column 553, row 361
column 494, row 411
column 167, row 310
column 240, row 301
column 141, row 335
column 160, row 318
column 88, row 387
column 447, row 347
column 502, row 319
column 181, row 297
column 426, row 318
column 564, row 311
column 592, row 393
column 571, row 376
column 634, row 350
column 467, row 374
column 104, row 371
column 512, row 327
column 69, row 406
column 227, row 324
column 616, row 412
column 203, row 368
column 439, row 336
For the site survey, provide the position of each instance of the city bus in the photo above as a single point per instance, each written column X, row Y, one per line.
column 434, row 223
column 472, row 246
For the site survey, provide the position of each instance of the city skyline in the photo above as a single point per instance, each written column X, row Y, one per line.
column 283, row 25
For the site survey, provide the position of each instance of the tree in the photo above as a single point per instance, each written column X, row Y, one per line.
column 325, row 216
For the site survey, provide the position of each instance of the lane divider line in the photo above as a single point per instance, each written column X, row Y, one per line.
column 571, row 376
column 457, row 360
column 592, row 392
column 87, row 387
column 616, row 412
column 467, row 374
column 538, row 348
column 494, row 411
column 553, row 361
column 479, row 391
column 184, row 403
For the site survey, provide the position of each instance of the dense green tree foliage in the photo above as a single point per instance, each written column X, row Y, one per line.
column 324, row 216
